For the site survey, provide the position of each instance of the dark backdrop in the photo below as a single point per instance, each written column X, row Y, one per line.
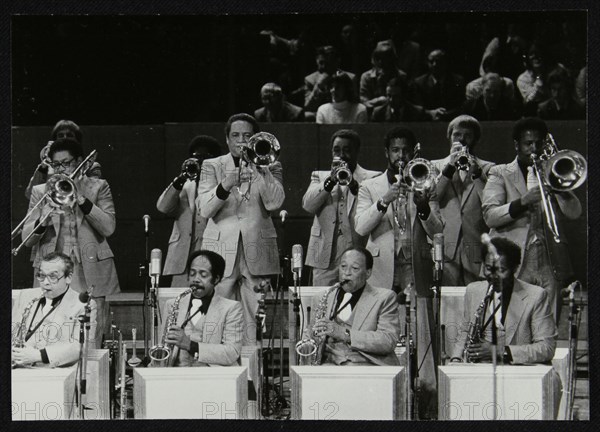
column 140, row 161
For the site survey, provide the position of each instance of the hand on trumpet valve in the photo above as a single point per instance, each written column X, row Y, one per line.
column 176, row 336
column 325, row 327
column 421, row 197
column 475, row 170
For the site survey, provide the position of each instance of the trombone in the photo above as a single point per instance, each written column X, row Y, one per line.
column 60, row 189
column 261, row 150
column 559, row 171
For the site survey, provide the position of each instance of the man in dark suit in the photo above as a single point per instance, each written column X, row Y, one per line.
column 459, row 193
column 398, row 108
column 179, row 201
column 46, row 319
column 361, row 324
column 275, row 107
column 208, row 329
column 440, row 91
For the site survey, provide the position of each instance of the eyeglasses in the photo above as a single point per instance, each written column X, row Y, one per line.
column 52, row 277
column 64, row 164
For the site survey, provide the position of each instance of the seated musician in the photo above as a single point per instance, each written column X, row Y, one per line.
column 360, row 323
column 522, row 312
column 45, row 322
column 208, row 328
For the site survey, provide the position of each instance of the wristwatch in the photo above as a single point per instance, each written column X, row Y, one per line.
column 348, row 339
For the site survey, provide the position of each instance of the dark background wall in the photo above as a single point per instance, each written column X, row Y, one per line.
column 140, row 161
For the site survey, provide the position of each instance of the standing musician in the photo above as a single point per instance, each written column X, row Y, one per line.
column 361, row 323
column 401, row 225
column 208, row 329
column 334, row 207
column 238, row 200
column 512, row 208
column 46, row 320
column 179, row 201
column 62, row 129
column 78, row 230
column 459, row 192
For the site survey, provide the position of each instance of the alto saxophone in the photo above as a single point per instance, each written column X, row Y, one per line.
column 165, row 354
column 475, row 331
column 311, row 348
column 20, row 337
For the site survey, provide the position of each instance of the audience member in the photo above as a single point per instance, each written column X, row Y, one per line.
column 581, row 87
column 492, row 104
column 562, row 104
column 397, row 107
column 439, row 91
column 342, row 108
column 489, row 64
column 275, row 107
column 317, row 84
column 374, row 81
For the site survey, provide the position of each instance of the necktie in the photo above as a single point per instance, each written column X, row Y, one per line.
column 194, row 313
column 345, row 313
column 47, row 307
column 497, row 305
column 463, row 175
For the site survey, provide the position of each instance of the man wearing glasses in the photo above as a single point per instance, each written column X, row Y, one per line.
column 46, row 322
column 78, row 230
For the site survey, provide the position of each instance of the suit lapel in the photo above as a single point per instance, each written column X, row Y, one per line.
column 228, row 166
column 363, row 307
column 184, row 305
column 515, row 177
column 516, row 308
column 381, row 185
column 212, row 318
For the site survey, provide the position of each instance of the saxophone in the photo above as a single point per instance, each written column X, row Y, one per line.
column 310, row 350
column 475, row 330
column 20, row 337
column 165, row 354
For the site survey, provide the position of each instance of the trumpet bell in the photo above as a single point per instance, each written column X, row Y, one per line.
column 262, row 149
column 191, row 168
column 566, row 170
column 340, row 170
column 420, row 174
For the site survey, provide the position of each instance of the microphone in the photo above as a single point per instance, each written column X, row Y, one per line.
column 146, row 223
column 438, row 257
column 297, row 255
column 155, row 265
column 84, row 297
column 283, row 215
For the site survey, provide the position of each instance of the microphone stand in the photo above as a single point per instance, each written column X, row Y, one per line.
column 574, row 319
column 260, row 318
column 84, row 334
column 296, row 302
column 438, row 271
column 144, row 269
column 409, row 357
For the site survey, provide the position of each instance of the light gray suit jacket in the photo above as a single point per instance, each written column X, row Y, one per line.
column 375, row 326
column 324, row 205
column 234, row 216
column 92, row 229
column 380, row 228
column 59, row 332
column 181, row 205
column 462, row 213
column 506, row 184
column 220, row 338
column 530, row 330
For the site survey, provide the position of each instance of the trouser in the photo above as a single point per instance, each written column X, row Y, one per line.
column 424, row 329
column 240, row 286
column 537, row 270
column 459, row 271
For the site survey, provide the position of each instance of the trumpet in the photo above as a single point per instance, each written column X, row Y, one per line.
column 419, row 174
column 557, row 171
column 340, row 171
column 191, row 168
column 60, row 189
column 261, row 150
column 464, row 159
